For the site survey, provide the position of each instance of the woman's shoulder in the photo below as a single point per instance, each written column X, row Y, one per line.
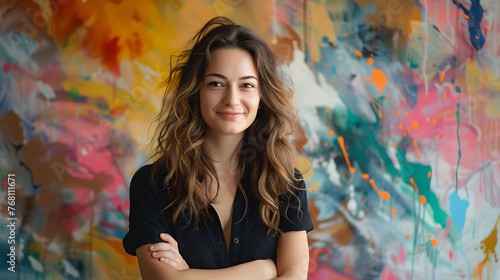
column 147, row 179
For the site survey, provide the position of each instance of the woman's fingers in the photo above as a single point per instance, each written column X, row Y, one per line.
column 167, row 254
column 162, row 246
column 168, row 238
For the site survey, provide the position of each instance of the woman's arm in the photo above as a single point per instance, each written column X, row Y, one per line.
column 151, row 268
column 292, row 256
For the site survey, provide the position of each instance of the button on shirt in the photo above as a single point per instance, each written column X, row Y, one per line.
column 205, row 247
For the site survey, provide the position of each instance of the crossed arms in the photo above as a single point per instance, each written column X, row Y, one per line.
column 292, row 263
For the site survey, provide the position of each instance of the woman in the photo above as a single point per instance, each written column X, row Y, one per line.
column 223, row 199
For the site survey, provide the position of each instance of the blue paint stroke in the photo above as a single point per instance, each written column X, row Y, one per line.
column 475, row 14
column 474, row 230
column 458, row 209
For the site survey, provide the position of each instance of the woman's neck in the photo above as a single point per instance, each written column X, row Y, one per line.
column 223, row 150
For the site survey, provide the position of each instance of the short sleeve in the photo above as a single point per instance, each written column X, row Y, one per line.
column 146, row 203
column 297, row 216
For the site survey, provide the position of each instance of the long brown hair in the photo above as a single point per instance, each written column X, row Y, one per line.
column 267, row 151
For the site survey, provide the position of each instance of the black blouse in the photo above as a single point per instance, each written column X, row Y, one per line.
column 206, row 248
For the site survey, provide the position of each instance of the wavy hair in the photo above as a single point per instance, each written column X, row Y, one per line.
column 267, row 152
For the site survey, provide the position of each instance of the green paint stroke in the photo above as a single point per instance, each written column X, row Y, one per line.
column 73, row 92
column 459, row 150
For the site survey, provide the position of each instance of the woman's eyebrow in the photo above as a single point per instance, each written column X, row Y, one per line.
column 225, row 78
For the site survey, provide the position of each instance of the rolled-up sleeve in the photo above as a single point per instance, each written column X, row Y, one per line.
column 296, row 209
column 146, row 203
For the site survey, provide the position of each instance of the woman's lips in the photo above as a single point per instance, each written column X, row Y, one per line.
column 229, row 115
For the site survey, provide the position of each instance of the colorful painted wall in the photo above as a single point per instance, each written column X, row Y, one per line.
column 399, row 110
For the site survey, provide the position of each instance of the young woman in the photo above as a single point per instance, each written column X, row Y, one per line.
column 223, row 199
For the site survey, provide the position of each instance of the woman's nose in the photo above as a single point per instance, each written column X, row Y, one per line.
column 231, row 97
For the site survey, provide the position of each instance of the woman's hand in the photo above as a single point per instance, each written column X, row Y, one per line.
column 168, row 252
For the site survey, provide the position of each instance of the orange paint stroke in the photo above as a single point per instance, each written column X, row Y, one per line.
column 407, row 236
column 466, row 16
column 400, row 126
column 484, row 81
column 383, row 194
column 412, row 181
column 378, row 78
column 365, row 176
column 394, row 212
column 331, row 132
column 423, row 200
column 342, row 146
column 394, row 145
column 414, row 124
column 427, row 39
column 358, row 53
column 480, row 270
column 416, row 148
column 388, row 96
column 376, row 107
column 484, row 65
column 347, row 269
column 434, row 242
column 442, row 76
column 371, row 61
column 429, row 174
column 444, row 94
column 398, row 113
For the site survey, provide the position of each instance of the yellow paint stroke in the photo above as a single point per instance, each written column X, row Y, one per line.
column 442, row 76
column 315, row 186
column 416, row 148
column 383, row 194
column 423, row 200
column 342, row 146
column 378, row 78
column 412, row 181
column 488, row 246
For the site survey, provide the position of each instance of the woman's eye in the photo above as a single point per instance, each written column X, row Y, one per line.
column 215, row 84
column 248, row 85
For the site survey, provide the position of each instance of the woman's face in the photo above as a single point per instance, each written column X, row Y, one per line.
column 229, row 93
